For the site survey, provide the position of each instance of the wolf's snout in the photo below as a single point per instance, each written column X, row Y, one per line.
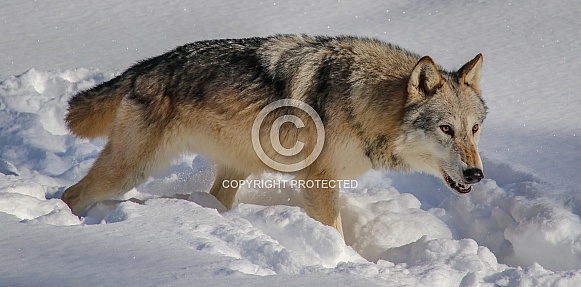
column 473, row 175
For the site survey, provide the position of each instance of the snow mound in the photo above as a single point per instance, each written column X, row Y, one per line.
column 403, row 229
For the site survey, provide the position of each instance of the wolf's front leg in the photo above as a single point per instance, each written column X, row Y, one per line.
column 322, row 204
column 226, row 196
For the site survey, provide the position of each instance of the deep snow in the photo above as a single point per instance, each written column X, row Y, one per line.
column 519, row 227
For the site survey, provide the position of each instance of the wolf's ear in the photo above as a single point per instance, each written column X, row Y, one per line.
column 470, row 73
column 425, row 79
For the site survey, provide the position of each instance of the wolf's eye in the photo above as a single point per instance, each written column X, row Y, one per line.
column 475, row 128
column 447, row 130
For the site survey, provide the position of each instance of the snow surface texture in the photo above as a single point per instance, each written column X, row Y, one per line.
column 519, row 227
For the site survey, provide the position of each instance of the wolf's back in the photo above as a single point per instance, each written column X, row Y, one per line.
column 91, row 112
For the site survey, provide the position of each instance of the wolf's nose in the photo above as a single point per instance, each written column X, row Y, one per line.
column 473, row 175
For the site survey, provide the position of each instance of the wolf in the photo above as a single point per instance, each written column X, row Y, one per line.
column 382, row 107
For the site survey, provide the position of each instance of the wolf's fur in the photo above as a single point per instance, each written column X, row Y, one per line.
column 382, row 108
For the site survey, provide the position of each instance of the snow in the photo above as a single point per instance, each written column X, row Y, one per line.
column 519, row 227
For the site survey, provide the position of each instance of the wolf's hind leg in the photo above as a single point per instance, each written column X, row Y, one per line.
column 132, row 153
column 110, row 176
column 224, row 177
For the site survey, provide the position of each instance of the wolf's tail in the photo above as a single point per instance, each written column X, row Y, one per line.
column 91, row 112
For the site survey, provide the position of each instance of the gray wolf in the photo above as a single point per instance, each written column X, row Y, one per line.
column 382, row 107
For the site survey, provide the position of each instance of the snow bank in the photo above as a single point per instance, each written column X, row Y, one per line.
column 390, row 235
column 519, row 227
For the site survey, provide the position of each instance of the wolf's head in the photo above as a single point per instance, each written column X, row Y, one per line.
column 442, row 123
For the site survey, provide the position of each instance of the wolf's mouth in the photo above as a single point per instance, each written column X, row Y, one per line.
column 461, row 188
